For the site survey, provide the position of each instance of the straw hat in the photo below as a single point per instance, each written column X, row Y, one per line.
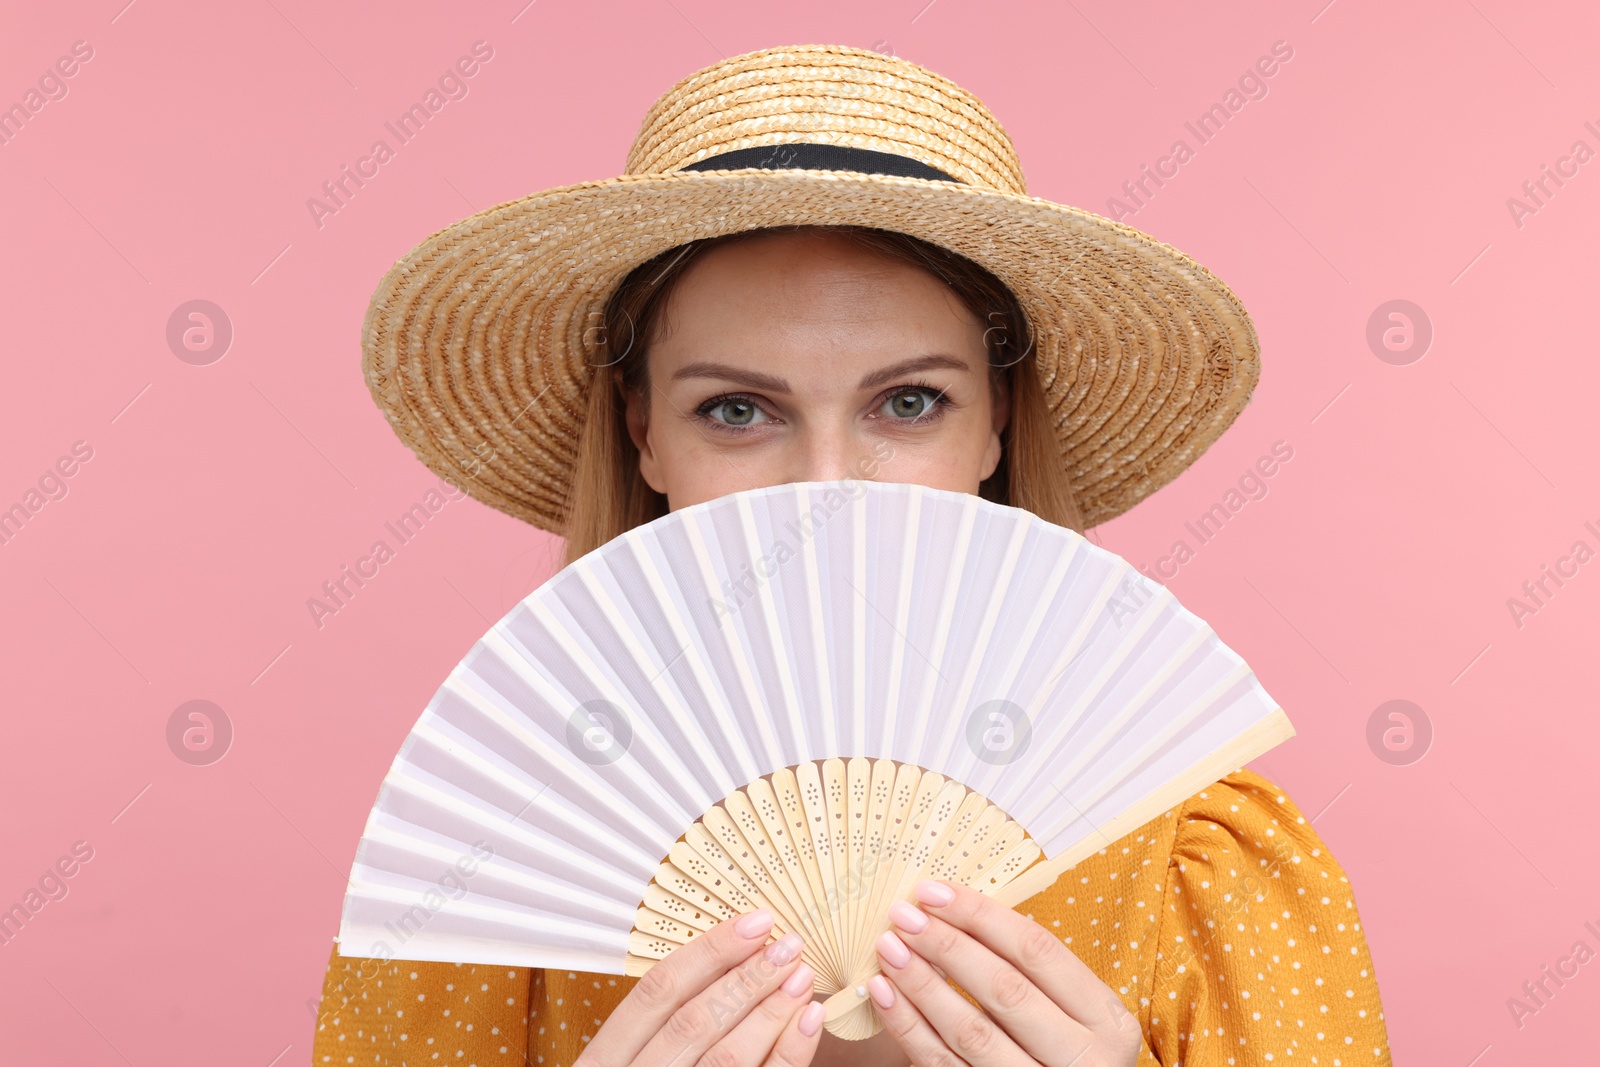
column 474, row 344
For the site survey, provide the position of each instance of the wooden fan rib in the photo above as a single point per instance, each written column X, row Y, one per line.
column 948, row 847
column 943, row 798
column 688, row 863
column 762, row 866
column 887, row 865
column 877, row 846
column 773, row 890
column 787, row 789
column 964, row 848
column 686, row 894
column 857, row 806
column 792, row 852
column 691, row 914
column 835, row 777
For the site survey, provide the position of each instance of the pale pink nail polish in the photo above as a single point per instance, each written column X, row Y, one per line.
column 800, row 982
column 811, row 1018
column 894, row 950
column 881, row 991
column 907, row 917
column 931, row 892
column 755, row 924
column 784, row 949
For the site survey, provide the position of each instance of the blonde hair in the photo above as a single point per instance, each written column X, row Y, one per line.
column 608, row 496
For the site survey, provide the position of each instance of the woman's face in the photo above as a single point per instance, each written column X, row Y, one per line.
column 806, row 357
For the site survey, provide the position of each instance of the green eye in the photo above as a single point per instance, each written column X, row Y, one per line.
column 740, row 412
column 915, row 404
column 909, row 404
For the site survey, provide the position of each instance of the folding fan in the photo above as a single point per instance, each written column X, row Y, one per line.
column 803, row 697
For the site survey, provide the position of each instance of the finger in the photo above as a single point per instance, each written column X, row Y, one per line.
column 960, row 1033
column 714, row 1014
column 797, row 1045
column 672, row 982
column 1052, row 968
column 755, row 1039
column 906, row 1022
column 1008, row 996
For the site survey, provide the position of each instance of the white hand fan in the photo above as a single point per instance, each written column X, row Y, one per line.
column 803, row 697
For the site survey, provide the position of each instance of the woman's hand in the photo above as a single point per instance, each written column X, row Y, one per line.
column 1044, row 1005
column 724, row 998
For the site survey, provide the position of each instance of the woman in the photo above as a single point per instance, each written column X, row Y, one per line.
column 835, row 316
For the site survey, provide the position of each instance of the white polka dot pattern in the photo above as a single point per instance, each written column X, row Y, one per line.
column 395, row 1013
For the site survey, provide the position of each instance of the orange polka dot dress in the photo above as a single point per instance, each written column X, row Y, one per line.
column 1228, row 928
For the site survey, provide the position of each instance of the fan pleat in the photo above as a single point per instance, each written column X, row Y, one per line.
column 988, row 584
column 941, row 614
column 805, row 698
column 724, row 640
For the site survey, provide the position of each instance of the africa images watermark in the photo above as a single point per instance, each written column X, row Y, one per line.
column 51, row 86
column 1538, row 192
column 1252, row 486
column 451, row 885
column 340, row 590
column 1538, row 592
column 52, row 885
column 51, row 485
column 1251, row 85
column 1537, row 994
column 741, row 589
column 337, row 192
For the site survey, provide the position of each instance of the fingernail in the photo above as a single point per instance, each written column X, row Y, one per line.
column 931, row 892
column 907, row 917
column 881, row 991
column 800, row 981
column 784, row 949
column 755, row 924
column 811, row 1018
column 894, row 950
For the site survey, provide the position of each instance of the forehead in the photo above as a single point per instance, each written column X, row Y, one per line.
column 808, row 282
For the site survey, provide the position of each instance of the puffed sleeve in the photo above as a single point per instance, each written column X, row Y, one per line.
column 386, row 1014
column 1260, row 953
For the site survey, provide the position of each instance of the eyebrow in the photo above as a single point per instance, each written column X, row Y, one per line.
column 756, row 380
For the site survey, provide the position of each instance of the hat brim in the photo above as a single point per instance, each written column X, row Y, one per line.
column 473, row 343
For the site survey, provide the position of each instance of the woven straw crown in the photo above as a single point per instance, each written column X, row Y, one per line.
column 479, row 344
column 859, row 99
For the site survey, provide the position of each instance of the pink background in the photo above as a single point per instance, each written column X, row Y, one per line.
column 219, row 497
